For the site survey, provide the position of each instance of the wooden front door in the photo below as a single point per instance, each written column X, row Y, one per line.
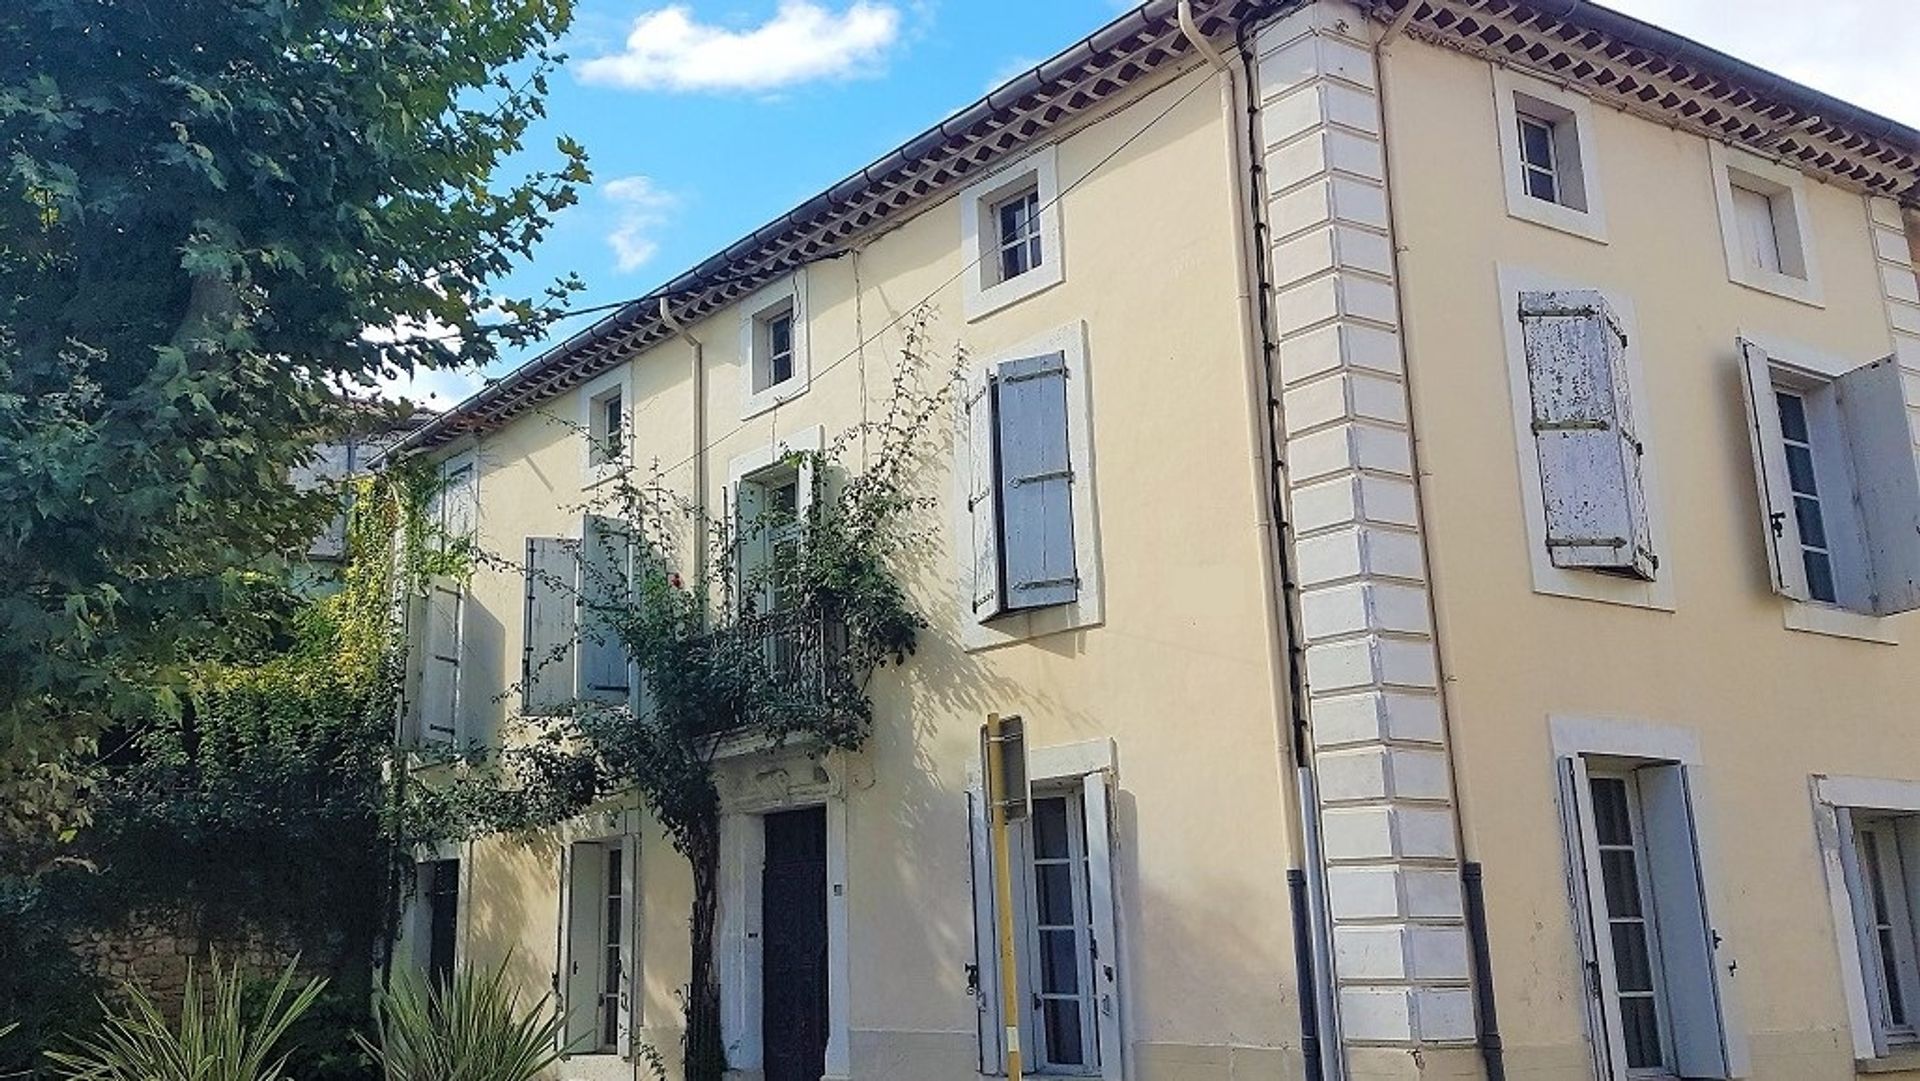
column 793, row 1022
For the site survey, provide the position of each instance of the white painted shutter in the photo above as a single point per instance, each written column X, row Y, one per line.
column 442, row 610
column 1584, row 434
column 1108, row 1017
column 1588, row 891
column 1036, row 483
column 580, row 967
column 979, row 436
column 1695, row 958
column 1863, row 1001
column 988, row 1027
column 1874, row 413
column 563, row 928
column 1777, row 522
column 629, row 935
column 606, row 567
column 546, row 662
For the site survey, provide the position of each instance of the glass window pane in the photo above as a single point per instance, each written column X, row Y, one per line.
column 1640, row 1024
column 1536, row 142
column 1632, row 962
column 1053, row 894
column 1820, row 585
column 1800, row 469
column 1062, row 1018
column 1050, row 828
column 1793, row 416
column 1060, row 962
column 1611, row 826
column 1541, row 186
column 1622, row 881
column 1813, row 524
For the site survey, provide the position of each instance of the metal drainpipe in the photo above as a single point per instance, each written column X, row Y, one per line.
column 1320, row 1046
column 1473, row 893
column 699, row 441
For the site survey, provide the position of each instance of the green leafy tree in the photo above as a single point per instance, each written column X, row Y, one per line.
column 219, row 218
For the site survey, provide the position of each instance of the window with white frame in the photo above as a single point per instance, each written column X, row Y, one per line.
column 436, row 615
column 597, row 973
column 1646, row 936
column 1010, row 225
column 773, row 345
column 1764, row 224
column 1067, row 963
column 770, row 505
column 1546, row 143
column 1869, row 834
column 607, row 427
column 1834, row 464
column 1028, row 563
column 577, row 594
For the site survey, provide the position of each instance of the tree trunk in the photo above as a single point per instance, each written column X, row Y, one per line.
column 706, row 1057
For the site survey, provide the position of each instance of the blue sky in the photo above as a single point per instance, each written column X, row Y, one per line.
column 706, row 118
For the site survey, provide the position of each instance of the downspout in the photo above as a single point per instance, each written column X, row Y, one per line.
column 699, row 440
column 1306, row 878
column 1492, row 1051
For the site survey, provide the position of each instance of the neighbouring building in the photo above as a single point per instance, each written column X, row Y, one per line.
column 1467, row 635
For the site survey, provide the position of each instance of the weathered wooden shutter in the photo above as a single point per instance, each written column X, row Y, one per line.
column 442, row 610
column 1036, row 483
column 1588, row 893
column 1108, row 1018
column 1875, row 414
column 606, row 568
column 580, row 972
column 1693, row 955
column 629, row 951
column 1864, row 1014
column 1777, row 521
column 546, row 663
column 1584, row 433
column 989, row 1029
column 979, row 436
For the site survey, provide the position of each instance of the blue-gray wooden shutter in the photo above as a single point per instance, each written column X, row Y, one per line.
column 979, row 434
column 546, row 657
column 1875, row 414
column 606, row 568
column 989, row 1029
column 440, row 660
column 1584, row 434
column 1694, row 957
column 1036, row 483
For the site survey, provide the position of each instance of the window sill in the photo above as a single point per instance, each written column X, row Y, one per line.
column 1585, row 224
column 1030, row 624
column 1838, row 623
column 773, row 397
column 992, row 298
column 1784, row 286
column 1900, row 1061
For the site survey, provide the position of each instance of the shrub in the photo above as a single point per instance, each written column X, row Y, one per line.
column 472, row 1029
column 218, row 1038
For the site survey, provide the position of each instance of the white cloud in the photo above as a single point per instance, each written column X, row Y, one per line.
column 1860, row 51
column 643, row 208
column 435, row 388
column 669, row 49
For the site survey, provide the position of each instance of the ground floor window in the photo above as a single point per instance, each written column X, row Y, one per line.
column 1066, row 959
column 599, row 894
column 1654, row 961
column 1869, row 835
column 1885, row 863
column 440, row 899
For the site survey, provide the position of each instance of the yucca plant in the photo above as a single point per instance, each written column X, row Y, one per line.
column 216, row 1039
column 470, row 1029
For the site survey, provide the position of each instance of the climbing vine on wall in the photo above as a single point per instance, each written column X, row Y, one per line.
column 772, row 640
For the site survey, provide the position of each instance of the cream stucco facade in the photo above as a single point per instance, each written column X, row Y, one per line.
column 1329, row 339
